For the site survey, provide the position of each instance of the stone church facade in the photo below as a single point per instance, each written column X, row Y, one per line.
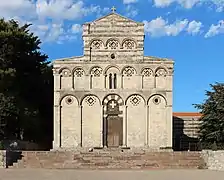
column 113, row 95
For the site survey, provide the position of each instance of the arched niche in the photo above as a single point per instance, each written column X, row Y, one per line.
column 113, row 78
column 161, row 78
column 65, row 78
column 129, row 78
column 148, row 80
column 129, row 44
column 157, row 121
column 97, row 78
column 80, row 80
column 92, row 123
column 70, row 122
column 136, row 121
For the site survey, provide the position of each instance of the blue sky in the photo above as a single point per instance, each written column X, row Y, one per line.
column 191, row 32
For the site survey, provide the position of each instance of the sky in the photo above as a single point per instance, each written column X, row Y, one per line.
column 190, row 32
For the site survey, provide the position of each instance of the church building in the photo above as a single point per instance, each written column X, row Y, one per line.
column 113, row 96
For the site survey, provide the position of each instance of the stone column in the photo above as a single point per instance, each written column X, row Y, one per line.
column 80, row 116
column 57, row 82
column 142, row 82
column 91, row 82
column 125, row 126
column 122, row 84
column 57, row 127
column 169, row 118
column 101, row 132
column 147, row 126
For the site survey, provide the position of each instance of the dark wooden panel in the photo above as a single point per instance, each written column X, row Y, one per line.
column 114, row 131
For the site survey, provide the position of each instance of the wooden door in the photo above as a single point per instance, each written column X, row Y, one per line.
column 114, row 131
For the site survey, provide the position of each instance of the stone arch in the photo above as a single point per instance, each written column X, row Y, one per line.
column 97, row 43
column 81, row 101
column 70, row 123
column 63, row 69
column 135, row 95
column 129, row 43
column 96, row 78
column 129, row 75
column 136, row 121
column 123, row 69
column 146, row 73
column 148, row 79
column 159, row 68
column 67, row 95
column 111, row 66
column 113, row 96
column 113, row 43
column 65, row 78
column 113, row 123
column 91, row 121
column 157, row 114
column 79, row 78
column 157, row 95
column 77, row 68
column 92, row 69
column 112, row 77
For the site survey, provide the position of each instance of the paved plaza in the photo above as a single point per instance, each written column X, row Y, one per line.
column 40, row 174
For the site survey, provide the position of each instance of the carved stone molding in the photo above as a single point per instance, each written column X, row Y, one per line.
column 161, row 72
column 129, row 71
column 79, row 72
column 135, row 100
column 65, row 73
column 96, row 71
column 90, row 100
column 156, row 100
column 147, row 72
column 97, row 44
column 129, row 44
column 69, row 100
column 113, row 44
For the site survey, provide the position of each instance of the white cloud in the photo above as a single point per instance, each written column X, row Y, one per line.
column 194, row 27
column 215, row 29
column 49, row 16
column 160, row 27
column 129, row 1
column 9, row 8
column 76, row 28
column 131, row 11
column 63, row 9
column 218, row 4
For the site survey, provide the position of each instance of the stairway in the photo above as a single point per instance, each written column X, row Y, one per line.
column 110, row 160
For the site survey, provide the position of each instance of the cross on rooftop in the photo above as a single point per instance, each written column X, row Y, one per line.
column 113, row 9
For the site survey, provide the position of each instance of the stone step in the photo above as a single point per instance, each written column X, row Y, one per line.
column 112, row 160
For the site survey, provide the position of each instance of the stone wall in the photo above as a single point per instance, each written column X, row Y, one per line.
column 2, row 159
column 214, row 159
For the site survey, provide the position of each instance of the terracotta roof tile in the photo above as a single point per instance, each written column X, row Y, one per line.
column 186, row 114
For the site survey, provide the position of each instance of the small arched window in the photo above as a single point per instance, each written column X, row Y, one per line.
column 115, row 81
column 110, row 81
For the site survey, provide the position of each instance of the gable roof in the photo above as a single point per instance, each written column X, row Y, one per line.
column 113, row 13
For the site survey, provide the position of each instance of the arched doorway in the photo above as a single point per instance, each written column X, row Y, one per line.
column 113, row 121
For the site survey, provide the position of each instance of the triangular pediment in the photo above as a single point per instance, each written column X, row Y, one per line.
column 114, row 16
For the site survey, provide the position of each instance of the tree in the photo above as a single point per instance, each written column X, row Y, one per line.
column 212, row 127
column 26, row 101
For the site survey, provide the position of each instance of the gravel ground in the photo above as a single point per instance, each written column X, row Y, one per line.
column 42, row 174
